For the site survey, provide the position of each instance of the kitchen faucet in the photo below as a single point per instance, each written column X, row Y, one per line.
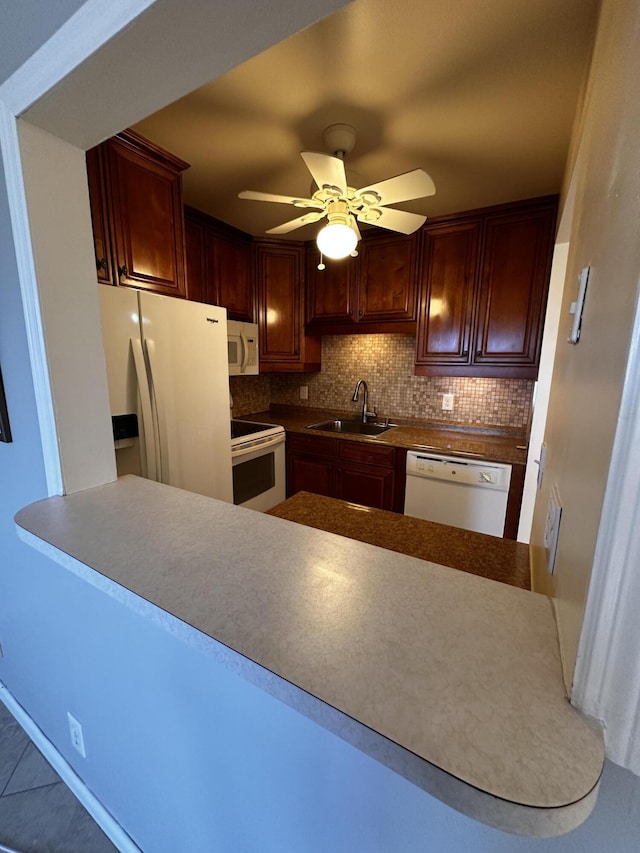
column 365, row 412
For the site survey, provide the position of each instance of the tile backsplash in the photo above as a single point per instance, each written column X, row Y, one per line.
column 386, row 363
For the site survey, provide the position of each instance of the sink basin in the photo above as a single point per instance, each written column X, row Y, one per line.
column 352, row 427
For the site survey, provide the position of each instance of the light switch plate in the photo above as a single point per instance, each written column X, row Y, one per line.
column 552, row 528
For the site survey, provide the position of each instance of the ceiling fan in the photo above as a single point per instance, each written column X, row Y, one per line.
column 345, row 206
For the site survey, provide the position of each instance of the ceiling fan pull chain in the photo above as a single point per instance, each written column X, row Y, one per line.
column 321, row 265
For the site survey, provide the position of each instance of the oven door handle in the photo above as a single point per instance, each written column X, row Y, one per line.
column 263, row 445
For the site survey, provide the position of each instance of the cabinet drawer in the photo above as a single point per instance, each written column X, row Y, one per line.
column 318, row 445
column 371, row 454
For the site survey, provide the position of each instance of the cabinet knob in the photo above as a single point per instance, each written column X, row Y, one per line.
column 101, row 264
column 360, row 312
column 465, row 353
column 123, row 271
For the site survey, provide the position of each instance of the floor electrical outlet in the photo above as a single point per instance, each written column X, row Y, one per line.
column 77, row 738
column 447, row 402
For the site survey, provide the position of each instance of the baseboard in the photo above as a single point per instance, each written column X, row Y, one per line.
column 105, row 821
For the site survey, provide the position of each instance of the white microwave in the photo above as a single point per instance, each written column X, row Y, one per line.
column 242, row 346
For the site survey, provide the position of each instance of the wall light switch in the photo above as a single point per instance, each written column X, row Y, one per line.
column 447, row 402
column 304, row 392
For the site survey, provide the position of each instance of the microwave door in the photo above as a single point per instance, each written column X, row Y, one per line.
column 245, row 351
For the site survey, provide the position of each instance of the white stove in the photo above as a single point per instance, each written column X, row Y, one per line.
column 258, row 464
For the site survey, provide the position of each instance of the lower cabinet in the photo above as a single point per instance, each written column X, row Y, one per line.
column 350, row 470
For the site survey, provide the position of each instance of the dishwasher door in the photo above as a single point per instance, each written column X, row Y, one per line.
column 463, row 493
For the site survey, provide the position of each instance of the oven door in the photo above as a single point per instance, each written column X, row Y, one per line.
column 259, row 474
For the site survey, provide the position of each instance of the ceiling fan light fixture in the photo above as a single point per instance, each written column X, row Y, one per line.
column 337, row 240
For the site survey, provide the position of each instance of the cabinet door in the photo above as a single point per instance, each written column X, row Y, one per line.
column 195, row 241
column 310, row 474
column 365, row 484
column 148, row 217
column 97, row 176
column 513, row 288
column 283, row 344
column 331, row 291
column 230, row 258
column 387, row 279
column 449, row 265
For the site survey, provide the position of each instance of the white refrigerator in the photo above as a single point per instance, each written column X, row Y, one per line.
column 167, row 363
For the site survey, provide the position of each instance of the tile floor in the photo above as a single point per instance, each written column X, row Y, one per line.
column 38, row 813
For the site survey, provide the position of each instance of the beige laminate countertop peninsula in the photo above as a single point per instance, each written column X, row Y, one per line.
column 452, row 681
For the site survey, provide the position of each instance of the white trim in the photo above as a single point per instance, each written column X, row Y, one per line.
column 102, row 817
column 607, row 672
column 87, row 30
column 9, row 144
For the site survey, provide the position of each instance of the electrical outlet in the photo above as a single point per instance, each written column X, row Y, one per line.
column 304, row 392
column 447, row 402
column 77, row 738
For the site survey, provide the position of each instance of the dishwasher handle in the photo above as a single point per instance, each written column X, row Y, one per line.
column 452, row 469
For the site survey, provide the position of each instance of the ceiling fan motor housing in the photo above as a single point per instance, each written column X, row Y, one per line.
column 340, row 139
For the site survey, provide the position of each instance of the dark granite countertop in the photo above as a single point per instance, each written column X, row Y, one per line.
column 492, row 444
column 487, row 556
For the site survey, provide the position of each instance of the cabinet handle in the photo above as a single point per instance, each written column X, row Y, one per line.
column 360, row 312
column 465, row 353
column 123, row 271
column 101, row 264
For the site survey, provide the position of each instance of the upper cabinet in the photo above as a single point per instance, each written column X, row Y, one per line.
column 137, row 212
column 219, row 265
column 367, row 293
column 483, row 291
column 284, row 346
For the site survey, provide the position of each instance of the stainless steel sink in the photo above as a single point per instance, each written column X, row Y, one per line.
column 352, row 427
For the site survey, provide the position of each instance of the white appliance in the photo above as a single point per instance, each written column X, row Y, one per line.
column 463, row 493
column 242, row 348
column 259, row 469
column 167, row 363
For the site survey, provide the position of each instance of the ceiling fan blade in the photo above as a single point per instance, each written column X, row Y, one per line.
column 396, row 220
column 312, row 216
column 282, row 199
column 410, row 185
column 326, row 170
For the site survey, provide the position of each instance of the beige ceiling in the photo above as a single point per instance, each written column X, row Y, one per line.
column 481, row 95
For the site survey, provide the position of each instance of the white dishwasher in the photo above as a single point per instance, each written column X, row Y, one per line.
column 460, row 492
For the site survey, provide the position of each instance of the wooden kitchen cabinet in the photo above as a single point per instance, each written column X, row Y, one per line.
column 483, row 290
column 374, row 292
column 284, row 345
column 359, row 472
column 218, row 260
column 449, row 273
column 136, row 205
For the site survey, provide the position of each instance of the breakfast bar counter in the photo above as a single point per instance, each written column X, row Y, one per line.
column 450, row 680
column 487, row 556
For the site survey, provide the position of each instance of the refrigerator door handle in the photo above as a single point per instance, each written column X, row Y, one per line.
column 145, row 404
column 157, row 407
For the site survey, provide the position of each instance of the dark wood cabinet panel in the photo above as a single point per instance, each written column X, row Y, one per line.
column 513, row 288
column 331, row 291
column 447, row 292
column 232, row 275
column 284, row 346
column 146, row 198
column 218, row 262
column 387, row 279
column 359, row 472
column 100, row 218
column 135, row 191
column 365, row 484
column 484, row 291
column 195, row 241
column 310, row 474
column 375, row 292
